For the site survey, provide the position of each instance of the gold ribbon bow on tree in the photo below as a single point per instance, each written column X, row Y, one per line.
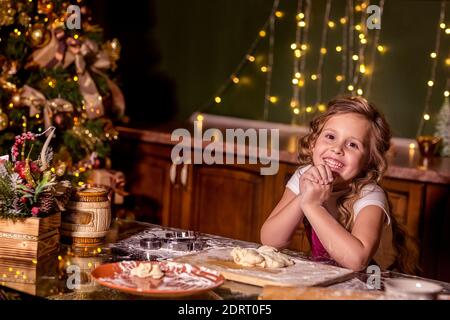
column 63, row 52
column 35, row 100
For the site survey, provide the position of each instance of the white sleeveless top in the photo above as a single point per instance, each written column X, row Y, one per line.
column 371, row 194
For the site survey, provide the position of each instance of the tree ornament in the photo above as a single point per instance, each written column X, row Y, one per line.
column 45, row 7
column 15, row 99
column 4, row 121
column 39, row 35
column 24, row 19
column 7, row 13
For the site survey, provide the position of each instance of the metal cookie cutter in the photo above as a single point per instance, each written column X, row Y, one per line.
column 181, row 241
column 150, row 243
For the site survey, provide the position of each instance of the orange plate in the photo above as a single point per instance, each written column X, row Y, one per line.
column 180, row 279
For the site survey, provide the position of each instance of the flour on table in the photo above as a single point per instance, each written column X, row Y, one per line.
column 264, row 256
column 145, row 270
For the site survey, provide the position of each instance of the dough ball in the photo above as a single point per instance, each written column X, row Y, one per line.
column 264, row 256
column 145, row 270
column 247, row 257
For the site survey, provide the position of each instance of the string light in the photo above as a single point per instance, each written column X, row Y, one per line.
column 446, row 93
column 313, row 77
column 321, row 107
column 358, row 27
column 264, row 69
column 309, row 109
column 217, row 99
column 355, row 57
column 300, row 16
column 432, row 78
column 362, row 68
column 412, row 146
column 359, row 91
column 279, row 14
column 293, row 46
column 343, row 20
column 273, row 99
column 363, row 41
column 250, row 58
column 297, row 53
column 296, row 111
column 447, row 31
column 295, row 81
column 338, row 48
column 235, row 80
column 339, row 78
column 304, row 47
column 323, row 50
column 442, row 25
column 298, row 74
column 268, row 84
column 358, row 8
column 331, row 24
column 262, row 33
column 447, row 61
column 350, row 88
column 380, row 48
column 302, row 24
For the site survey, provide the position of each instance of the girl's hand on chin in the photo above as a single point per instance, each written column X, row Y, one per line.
column 314, row 194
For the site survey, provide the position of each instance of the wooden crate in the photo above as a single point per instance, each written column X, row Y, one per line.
column 30, row 238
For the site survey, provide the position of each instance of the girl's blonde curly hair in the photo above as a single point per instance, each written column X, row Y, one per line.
column 373, row 171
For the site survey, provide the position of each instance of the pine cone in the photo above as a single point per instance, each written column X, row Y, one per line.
column 47, row 203
column 64, row 192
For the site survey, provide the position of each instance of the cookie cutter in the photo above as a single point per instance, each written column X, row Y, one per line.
column 182, row 245
column 173, row 240
column 152, row 243
column 181, row 235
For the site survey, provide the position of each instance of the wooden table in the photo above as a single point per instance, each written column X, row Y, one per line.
column 54, row 271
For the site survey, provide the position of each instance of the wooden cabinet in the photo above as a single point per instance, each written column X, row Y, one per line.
column 235, row 200
column 147, row 168
column 406, row 199
column 227, row 200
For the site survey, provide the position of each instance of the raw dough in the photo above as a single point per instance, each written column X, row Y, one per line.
column 246, row 256
column 145, row 270
column 264, row 256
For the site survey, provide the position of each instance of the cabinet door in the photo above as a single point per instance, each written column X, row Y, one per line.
column 406, row 199
column 228, row 201
column 147, row 168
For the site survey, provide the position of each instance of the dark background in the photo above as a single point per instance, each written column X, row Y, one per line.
column 177, row 53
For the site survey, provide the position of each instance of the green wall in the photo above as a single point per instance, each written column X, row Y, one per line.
column 202, row 41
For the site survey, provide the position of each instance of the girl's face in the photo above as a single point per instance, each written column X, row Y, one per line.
column 343, row 145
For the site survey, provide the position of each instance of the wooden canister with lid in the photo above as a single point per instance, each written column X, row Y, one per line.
column 87, row 217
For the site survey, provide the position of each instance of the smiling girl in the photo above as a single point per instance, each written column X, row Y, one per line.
column 335, row 192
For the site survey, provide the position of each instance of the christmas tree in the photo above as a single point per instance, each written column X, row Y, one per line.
column 443, row 128
column 56, row 70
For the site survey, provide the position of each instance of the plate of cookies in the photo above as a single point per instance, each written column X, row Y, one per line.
column 164, row 279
